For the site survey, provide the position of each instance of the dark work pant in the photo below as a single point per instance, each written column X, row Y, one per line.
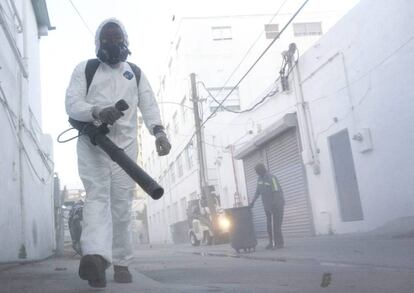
column 274, row 228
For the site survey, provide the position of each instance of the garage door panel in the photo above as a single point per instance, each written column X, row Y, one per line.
column 286, row 164
column 283, row 157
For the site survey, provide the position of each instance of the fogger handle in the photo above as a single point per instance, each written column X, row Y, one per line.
column 121, row 105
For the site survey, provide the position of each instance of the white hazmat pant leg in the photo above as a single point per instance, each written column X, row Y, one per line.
column 122, row 193
column 94, row 171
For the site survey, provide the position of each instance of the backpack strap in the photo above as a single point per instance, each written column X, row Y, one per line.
column 93, row 64
column 137, row 72
column 90, row 69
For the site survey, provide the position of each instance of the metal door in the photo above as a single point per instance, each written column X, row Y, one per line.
column 345, row 177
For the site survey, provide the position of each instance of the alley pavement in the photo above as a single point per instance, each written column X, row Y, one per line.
column 380, row 261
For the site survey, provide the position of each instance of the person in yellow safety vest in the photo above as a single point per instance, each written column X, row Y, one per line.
column 269, row 189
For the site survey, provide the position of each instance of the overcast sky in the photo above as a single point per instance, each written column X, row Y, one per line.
column 150, row 28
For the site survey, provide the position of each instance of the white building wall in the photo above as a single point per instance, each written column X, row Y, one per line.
column 359, row 76
column 26, row 188
column 213, row 62
column 377, row 65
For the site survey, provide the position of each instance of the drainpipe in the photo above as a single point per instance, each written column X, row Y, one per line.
column 309, row 154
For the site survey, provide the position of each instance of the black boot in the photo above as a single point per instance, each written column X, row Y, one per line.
column 122, row 274
column 92, row 268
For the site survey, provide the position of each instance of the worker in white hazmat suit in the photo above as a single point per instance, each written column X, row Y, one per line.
column 106, row 237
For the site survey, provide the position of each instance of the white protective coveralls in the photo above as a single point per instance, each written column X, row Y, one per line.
column 109, row 190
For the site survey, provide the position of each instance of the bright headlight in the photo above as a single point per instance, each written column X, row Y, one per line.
column 224, row 223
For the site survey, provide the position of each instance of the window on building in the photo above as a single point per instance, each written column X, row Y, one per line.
column 175, row 123
column 307, row 29
column 221, row 33
column 232, row 102
column 271, row 30
column 189, row 156
column 179, row 162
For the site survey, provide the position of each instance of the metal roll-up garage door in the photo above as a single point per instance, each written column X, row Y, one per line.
column 284, row 161
column 282, row 156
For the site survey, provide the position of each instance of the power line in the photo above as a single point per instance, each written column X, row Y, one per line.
column 249, row 50
column 281, row 78
column 366, row 74
column 262, row 100
column 251, row 67
column 364, row 97
column 257, row 60
column 80, row 16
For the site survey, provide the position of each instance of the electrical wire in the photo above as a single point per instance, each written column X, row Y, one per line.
column 281, row 78
column 372, row 69
column 364, row 97
column 257, row 60
column 8, row 17
column 351, row 109
column 249, row 50
column 262, row 100
column 250, row 68
column 81, row 17
column 11, row 117
column 44, row 156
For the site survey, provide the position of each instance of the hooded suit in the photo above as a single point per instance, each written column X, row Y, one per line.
column 109, row 190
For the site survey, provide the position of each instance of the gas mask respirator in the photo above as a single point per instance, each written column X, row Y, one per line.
column 112, row 54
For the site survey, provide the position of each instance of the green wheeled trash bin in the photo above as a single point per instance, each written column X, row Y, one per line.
column 242, row 233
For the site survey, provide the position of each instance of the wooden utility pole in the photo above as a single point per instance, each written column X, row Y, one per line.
column 197, row 122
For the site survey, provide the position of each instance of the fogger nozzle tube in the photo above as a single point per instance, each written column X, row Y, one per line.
column 118, row 155
column 98, row 137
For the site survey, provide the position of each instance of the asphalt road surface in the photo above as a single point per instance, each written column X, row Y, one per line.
column 173, row 269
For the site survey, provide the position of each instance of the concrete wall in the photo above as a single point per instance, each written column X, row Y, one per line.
column 213, row 62
column 356, row 77
column 26, row 189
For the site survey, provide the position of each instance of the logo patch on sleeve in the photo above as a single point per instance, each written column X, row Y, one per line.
column 128, row 75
